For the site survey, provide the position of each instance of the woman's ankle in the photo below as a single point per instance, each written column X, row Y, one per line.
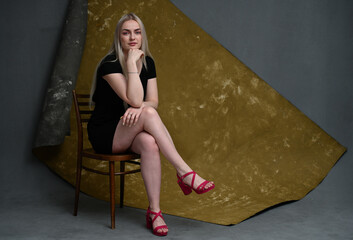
column 154, row 208
column 182, row 172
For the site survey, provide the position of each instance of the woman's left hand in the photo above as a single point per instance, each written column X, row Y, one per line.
column 131, row 116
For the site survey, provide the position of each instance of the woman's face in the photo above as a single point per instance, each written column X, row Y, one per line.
column 130, row 35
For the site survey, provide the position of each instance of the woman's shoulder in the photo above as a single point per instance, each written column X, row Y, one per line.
column 151, row 68
column 149, row 61
column 149, row 58
column 109, row 65
column 110, row 58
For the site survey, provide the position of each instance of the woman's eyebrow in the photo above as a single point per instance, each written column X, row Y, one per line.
column 137, row 29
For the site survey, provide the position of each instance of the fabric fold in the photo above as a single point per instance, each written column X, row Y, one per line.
column 54, row 123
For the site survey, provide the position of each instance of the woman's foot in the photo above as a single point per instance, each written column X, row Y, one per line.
column 155, row 220
column 194, row 181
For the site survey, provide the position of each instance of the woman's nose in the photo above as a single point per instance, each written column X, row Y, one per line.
column 132, row 36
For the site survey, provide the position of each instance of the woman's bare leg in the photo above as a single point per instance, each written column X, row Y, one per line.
column 151, row 122
column 145, row 145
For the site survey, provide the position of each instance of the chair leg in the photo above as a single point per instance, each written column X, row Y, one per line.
column 122, row 183
column 112, row 193
column 78, row 183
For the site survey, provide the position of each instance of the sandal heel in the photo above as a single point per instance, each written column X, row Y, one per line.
column 148, row 222
column 185, row 188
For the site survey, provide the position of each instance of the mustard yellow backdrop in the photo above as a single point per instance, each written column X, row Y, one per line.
column 227, row 123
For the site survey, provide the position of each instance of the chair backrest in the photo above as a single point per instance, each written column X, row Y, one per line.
column 83, row 114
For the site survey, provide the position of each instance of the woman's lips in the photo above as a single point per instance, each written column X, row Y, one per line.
column 132, row 44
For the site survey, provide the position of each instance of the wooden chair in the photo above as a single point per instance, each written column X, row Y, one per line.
column 83, row 113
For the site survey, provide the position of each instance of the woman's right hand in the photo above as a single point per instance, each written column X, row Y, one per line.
column 134, row 55
column 131, row 116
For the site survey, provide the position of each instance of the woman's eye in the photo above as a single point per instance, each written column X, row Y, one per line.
column 138, row 32
column 125, row 33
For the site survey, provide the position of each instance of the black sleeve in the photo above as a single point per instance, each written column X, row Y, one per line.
column 151, row 69
column 108, row 67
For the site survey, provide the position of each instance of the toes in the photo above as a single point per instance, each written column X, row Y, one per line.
column 210, row 184
column 162, row 230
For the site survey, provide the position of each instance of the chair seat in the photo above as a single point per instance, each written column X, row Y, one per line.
column 118, row 157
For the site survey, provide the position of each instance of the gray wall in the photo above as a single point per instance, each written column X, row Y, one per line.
column 303, row 49
column 30, row 34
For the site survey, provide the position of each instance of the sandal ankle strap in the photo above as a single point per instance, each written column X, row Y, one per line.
column 187, row 174
column 159, row 214
column 193, row 177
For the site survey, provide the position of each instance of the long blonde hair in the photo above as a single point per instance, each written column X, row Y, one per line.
column 117, row 49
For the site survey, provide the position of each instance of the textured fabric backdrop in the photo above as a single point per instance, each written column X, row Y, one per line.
column 227, row 123
column 54, row 123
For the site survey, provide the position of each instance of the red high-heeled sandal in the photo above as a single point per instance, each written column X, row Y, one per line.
column 149, row 222
column 188, row 189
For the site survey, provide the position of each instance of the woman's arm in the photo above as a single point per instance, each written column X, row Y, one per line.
column 152, row 94
column 119, row 84
column 130, row 90
column 132, row 114
column 134, row 89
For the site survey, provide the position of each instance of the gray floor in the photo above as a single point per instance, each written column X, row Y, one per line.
column 311, row 68
column 46, row 213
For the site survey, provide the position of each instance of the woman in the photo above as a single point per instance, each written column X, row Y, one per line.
column 125, row 117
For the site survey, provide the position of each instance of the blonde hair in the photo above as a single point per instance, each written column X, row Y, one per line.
column 117, row 49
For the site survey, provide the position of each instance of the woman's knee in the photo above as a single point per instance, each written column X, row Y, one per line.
column 149, row 144
column 149, row 112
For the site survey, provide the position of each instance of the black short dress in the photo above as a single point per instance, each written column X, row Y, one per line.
column 109, row 107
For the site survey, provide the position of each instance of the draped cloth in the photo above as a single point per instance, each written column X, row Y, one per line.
column 54, row 123
column 227, row 123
